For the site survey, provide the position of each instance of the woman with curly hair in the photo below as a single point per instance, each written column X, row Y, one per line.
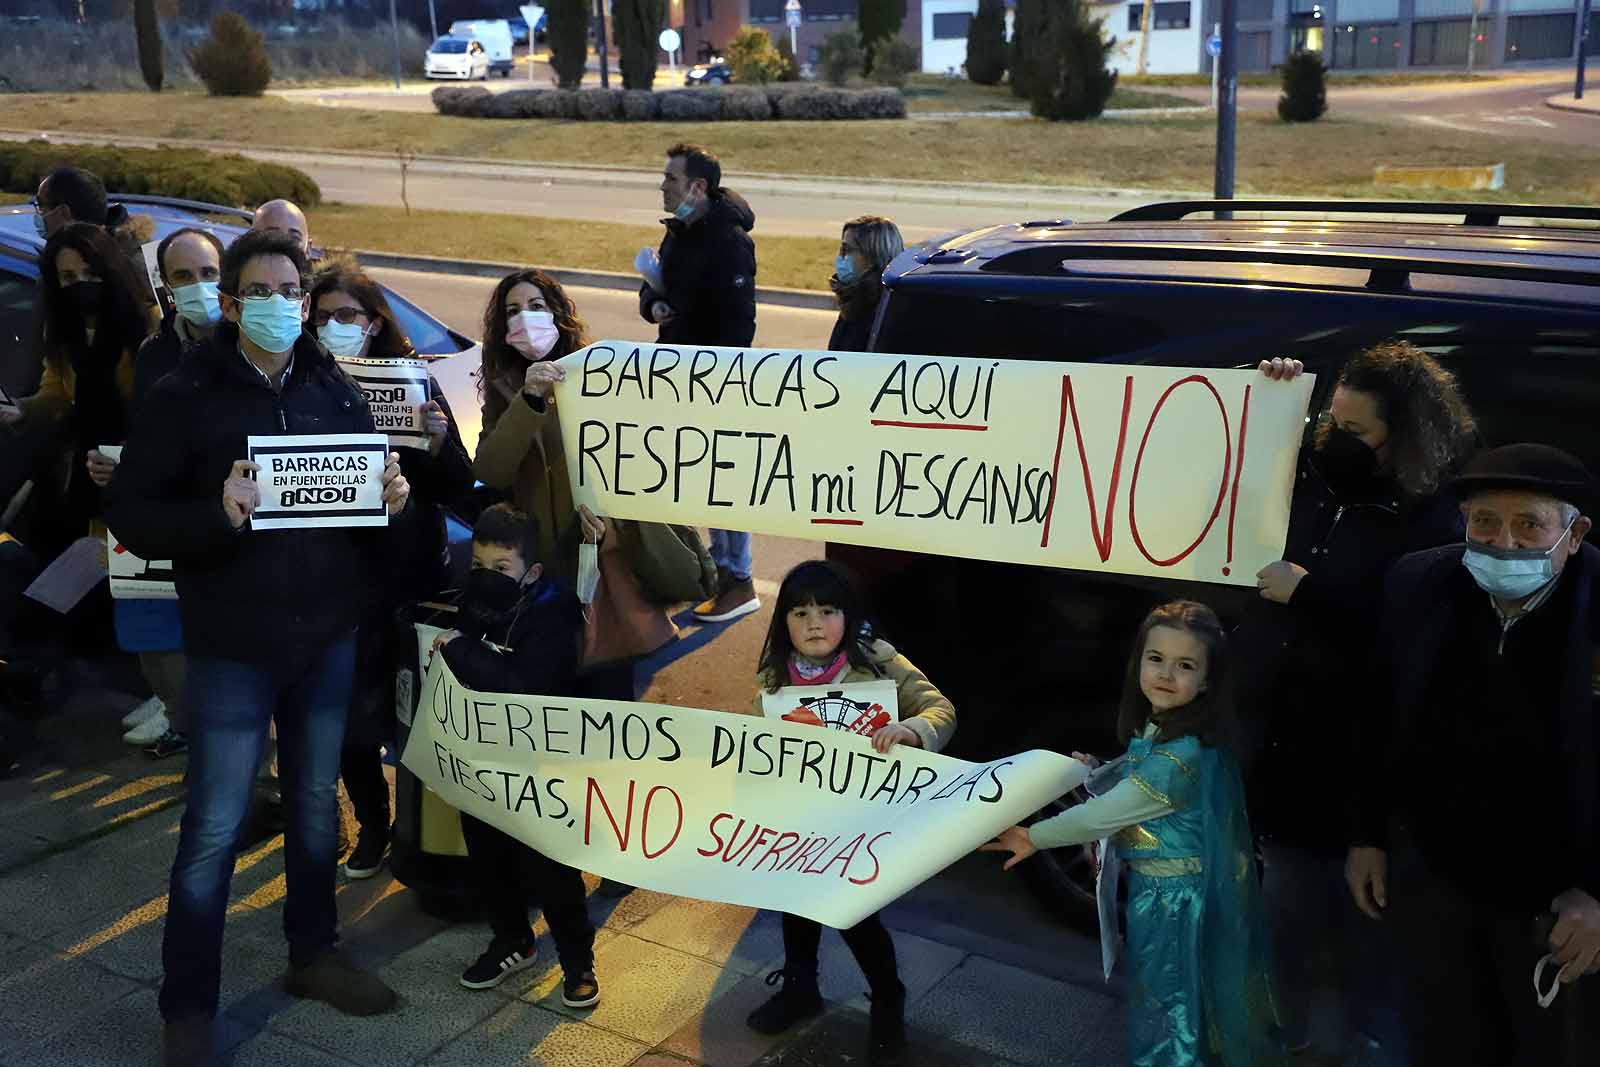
column 531, row 323
column 1366, row 494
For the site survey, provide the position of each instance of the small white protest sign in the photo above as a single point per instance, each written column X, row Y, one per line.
column 396, row 391
column 152, row 265
column 856, row 707
column 133, row 578
column 319, row 480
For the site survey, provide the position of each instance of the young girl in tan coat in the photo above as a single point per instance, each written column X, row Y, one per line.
column 820, row 637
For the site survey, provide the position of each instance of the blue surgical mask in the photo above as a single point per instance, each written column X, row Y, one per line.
column 844, row 268
column 685, row 210
column 342, row 338
column 1512, row 573
column 273, row 324
column 197, row 303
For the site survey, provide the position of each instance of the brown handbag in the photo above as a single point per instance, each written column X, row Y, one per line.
column 671, row 562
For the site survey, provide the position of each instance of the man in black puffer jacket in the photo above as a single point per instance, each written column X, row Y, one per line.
column 707, row 296
column 269, row 620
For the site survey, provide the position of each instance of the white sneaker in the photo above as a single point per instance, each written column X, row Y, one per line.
column 143, row 712
column 148, row 732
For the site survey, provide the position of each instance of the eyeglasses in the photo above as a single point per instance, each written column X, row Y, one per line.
column 260, row 291
column 345, row 315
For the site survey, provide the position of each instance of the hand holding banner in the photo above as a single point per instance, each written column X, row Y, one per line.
column 704, row 804
column 324, row 480
column 396, row 391
column 1143, row 470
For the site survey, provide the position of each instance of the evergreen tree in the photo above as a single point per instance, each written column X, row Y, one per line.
column 1027, row 28
column 233, row 61
column 637, row 24
column 986, row 43
column 148, row 31
column 878, row 21
column 567, row 34
column 1305, row 88
column 1070, row 79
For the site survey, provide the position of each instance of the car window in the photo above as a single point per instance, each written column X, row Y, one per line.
column 428, row 335
column 19, row 367
column 447, row 46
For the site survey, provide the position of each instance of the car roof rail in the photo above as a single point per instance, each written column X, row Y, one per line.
column 198, row 206
column 1472, row 214
column 1386, row 273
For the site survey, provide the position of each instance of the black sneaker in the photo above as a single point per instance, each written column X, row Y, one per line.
column 366, row 859
column 580, row 990
column 171, row 743
column 888, row 1034
column 798, row 1000
column 499, row 962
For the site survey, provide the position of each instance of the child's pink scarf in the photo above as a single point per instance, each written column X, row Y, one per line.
column 830, row 674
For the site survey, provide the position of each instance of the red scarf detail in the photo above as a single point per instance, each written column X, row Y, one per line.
column 830, row 674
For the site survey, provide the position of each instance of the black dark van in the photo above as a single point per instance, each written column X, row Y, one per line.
column 1507, row 297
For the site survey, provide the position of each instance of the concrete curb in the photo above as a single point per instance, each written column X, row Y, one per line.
column 1567, row 102
column 595, row 279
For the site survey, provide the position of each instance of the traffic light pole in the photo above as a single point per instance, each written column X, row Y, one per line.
column 1227, row 100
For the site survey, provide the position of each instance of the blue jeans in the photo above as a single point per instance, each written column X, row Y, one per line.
column 730, row 551
column 230, row 704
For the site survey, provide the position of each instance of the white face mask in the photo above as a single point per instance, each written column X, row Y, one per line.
column 532, row 333
column 1546, row 998
column 588, row 571
column 345, row 339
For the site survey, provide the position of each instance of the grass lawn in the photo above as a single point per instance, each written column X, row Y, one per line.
column 1335, row 156
column 792, row 262
column 934, row 92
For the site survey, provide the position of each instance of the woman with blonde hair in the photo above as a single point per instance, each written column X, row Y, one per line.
column 866, row 248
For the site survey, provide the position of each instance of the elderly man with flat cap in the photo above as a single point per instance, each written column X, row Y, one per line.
column 1477, row 839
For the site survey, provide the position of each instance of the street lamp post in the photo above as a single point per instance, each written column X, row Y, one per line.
column 1227, row 100
column 605, row 67
column 1583, row 48
column 394, row 21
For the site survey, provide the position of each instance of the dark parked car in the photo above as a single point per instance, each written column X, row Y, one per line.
column 1507, row 297
column 716, row 72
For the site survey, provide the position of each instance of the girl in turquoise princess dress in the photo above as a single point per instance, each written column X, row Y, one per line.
column 1176, row 820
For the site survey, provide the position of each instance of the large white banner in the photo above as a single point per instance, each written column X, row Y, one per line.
column 740, row 809
column 1141, row 470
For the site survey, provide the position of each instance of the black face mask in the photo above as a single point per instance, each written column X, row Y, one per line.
column 1345, row 460
column 84, row 297
column 488, row 601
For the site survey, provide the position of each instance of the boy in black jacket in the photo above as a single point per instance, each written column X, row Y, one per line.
column 520, row 633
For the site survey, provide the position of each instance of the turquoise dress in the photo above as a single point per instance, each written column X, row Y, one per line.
column 1196, row 946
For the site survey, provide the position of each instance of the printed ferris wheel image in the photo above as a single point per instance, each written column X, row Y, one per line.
column 836, row 711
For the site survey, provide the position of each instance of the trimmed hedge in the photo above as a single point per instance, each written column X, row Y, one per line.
column 736, row 104
column 186, row 173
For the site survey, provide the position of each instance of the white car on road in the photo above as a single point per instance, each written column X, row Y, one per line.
column 456, row 57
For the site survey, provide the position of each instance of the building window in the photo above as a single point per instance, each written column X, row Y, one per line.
column 1539, row 37
column 811, row 10
column 1163, row 16
column 951, row 25
column 1372, row 46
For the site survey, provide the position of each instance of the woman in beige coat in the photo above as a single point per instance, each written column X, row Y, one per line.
column 531, row 323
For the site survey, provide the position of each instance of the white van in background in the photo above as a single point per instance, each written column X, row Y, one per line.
column 495, row 35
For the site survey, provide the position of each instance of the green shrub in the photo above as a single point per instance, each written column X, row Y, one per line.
column 880, row 23
column 637, row 25
column 690, row 105
column 598, row 105
column 147, row 30
column 1027, row 30
column 895, row 61
column 744, row 105
column 511, row 104
column 567, row 33
column 186, row 173
column 1070, row 79
column 467, row 101
column 233, row 60
column 640, row 106
column 986, row 43
column 1305, row 88
column 841, row 56
column 752, row 57
column 737, row 104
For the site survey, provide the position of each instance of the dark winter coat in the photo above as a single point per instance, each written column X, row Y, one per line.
column 159, row 356
column 709, row 270
column 1301, row 666
column 541, row 647
column 858, row 308
column 1556, row 782
column 244, row 594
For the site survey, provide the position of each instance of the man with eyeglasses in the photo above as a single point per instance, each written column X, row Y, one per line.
column 1478, row 837
column 269, row 620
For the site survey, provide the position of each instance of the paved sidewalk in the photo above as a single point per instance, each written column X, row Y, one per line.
column 84, row 855
column 1589, row 105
